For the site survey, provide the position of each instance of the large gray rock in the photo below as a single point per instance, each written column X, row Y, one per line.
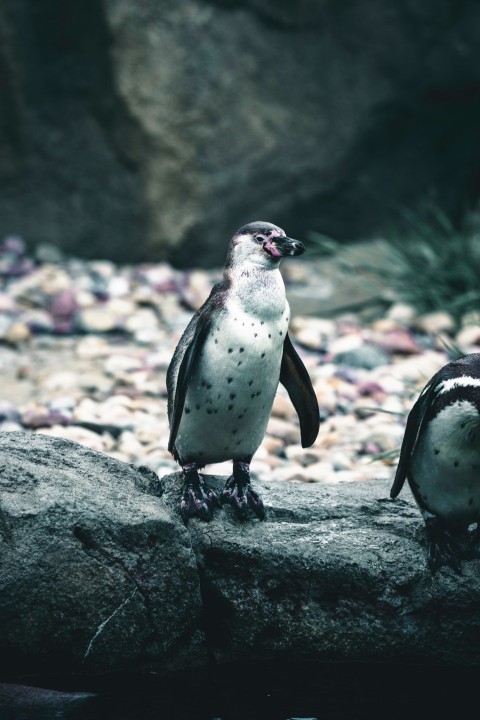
column 96, row 574
column 151, row 129
column 336, row 573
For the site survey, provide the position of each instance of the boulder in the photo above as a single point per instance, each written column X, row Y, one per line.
column 96, row 573
column 141, row 130
column 335, row 573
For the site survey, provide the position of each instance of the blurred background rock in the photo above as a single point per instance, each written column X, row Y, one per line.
column 142, row 130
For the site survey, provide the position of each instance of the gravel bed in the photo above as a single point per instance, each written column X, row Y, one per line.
column 85, row 345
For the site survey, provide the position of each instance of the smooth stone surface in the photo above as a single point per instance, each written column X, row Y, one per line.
column 96, row 573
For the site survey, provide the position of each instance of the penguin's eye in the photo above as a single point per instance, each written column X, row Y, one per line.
column 260, row 238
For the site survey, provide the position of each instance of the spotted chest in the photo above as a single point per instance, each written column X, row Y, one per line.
column 232, row 388
column 445, row 467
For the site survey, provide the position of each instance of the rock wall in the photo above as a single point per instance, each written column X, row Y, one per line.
column 98, row 573
column 147, row 130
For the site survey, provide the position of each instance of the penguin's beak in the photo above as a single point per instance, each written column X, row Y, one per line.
column 281, row 246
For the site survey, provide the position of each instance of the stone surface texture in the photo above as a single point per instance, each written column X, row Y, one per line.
column 98, row 573
column 142, row 130
column 334, row 574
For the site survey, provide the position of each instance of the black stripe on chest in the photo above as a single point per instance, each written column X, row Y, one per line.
column 441, row 400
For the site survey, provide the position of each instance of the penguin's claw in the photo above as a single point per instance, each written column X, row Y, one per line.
column 198, row 500
column 242, row 497
column 255, row 503
column 443, row 548
column 440, row 555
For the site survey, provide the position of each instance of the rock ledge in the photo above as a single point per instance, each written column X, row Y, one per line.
column 98, row 573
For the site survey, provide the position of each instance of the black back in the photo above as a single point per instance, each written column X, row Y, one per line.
column 434, row 398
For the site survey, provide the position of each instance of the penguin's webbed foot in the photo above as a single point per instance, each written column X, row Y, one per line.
column 443, row 547
column 197, row 499
column 241, row 498
column 239, row 493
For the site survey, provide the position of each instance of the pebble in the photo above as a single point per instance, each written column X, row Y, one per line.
column 283, row 429
column 100, row 443
column 282, row 407
column 36, row 415
column 97, row 319
column 272, row 445
column 17, row 333
column 7, row 303
column 8, row 412
column 326, row 397
column 364, row 356
column 435, row 322
column 468, row 338
column 472, row 317
column 312, row 333
column 119, row 366
column 401, row 313
column 396, row 340
column 302, row 456
column 92, row 347
column 318, row 472
column 10, row 426
column 129, row 445
column 341, row 461
column 197, row 290
column 40, row 321
column 60, row 381
column 85, row 345
column 346, row 342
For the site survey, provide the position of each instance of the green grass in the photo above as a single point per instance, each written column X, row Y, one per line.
column 434, row 265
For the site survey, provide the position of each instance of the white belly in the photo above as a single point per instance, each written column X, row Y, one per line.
column 446, row 465
column 231, row 392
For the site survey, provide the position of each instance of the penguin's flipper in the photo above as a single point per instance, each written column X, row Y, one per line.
column 190, row 357
column 415, row 423
column 296, row 380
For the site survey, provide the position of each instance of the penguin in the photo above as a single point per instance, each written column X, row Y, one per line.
column 440, row 457
column 225, row 370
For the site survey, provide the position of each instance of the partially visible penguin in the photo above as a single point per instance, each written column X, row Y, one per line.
column 440, row 457
column 226, row 368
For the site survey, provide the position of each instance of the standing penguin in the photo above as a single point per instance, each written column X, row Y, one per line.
column 226, row 368
column 440, row 457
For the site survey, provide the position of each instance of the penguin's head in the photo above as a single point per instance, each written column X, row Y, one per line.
column 262, row 244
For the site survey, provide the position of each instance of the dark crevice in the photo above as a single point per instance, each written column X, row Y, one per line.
column 6, row 533
column 147, row 481
column 216, row 613
column 216, row 609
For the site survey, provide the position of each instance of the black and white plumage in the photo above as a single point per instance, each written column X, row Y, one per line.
column 226, row 368
column 440, row 457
